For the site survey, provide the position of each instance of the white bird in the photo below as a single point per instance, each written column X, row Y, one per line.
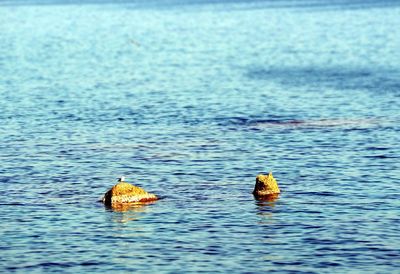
column 121, row 179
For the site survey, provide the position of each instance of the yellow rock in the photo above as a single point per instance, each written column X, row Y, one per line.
column 266, row 185
column 125, row 193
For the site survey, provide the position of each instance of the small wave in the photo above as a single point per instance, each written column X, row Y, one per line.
column 382, row 156
column 47, row 265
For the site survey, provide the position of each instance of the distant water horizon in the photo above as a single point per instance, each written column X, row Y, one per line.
column 190, row 100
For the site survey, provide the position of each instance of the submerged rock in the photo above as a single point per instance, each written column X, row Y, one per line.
column 266, row 187
column 125, row 193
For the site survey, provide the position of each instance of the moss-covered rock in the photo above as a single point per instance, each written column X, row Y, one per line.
column 125, row 193
column 266, row 185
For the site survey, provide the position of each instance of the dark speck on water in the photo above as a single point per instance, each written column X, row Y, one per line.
column 217, row 92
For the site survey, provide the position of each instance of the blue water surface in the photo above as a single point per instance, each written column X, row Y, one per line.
column 192, row 99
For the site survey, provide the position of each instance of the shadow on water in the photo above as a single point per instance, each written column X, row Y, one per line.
column 336, row 78
column 291, row 123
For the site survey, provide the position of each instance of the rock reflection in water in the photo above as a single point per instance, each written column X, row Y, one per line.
column 127, row 212
column 267, row 199
column 266, row 204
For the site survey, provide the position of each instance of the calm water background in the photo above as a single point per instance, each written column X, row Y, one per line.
column 191, row 100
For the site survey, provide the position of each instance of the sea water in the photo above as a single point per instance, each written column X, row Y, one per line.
column 191, row 100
